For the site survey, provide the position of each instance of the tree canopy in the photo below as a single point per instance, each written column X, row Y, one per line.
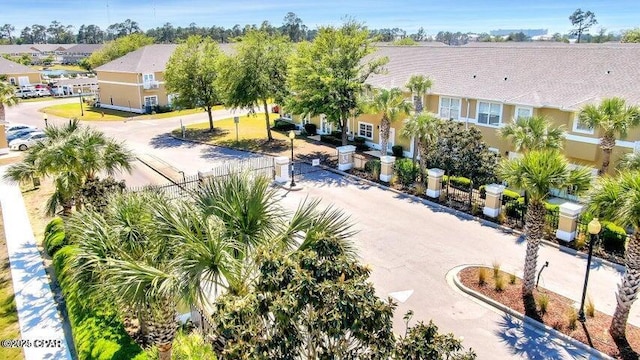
column 581, row 22
column 462, row 152
column 256, row 73
column 117, row 48
column 327, row 76
column 631, row 36
column 192, row 72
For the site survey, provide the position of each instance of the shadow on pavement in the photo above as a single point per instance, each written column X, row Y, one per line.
column 164, row 141
column 526, row 342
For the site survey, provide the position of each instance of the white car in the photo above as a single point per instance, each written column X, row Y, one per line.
column 12, row 128
column 42, row 92
column 27, row 142
column 25, row 93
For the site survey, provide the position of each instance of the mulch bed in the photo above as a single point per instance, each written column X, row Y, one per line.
column 561, row 312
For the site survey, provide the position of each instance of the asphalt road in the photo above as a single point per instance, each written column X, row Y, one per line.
column 410, row 245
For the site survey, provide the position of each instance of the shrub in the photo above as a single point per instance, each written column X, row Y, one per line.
column 510, row 195
column 572, row 318
column 311, row 129
column 543, row 303
column 55, row 237
column 590, row 307
column 512, row 279
column 614, row 237
column 331, row 140
column 337, row 134
column 499, row 283
column 362, row 147
column 359, row 140
column 419, row 188
column 482, row 276
column 406, row 171
column 496, row 268
column 372, row 165
column 397, row 151
column 280, row 125
column 460, row 182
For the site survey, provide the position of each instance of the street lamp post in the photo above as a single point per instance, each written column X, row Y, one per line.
column 594, row 229
column 81, row 107
column 46, row 121
column 292, row 135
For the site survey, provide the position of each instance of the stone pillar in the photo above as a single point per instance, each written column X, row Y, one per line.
column 358, row 161
column 4, row 146
column 568, row 221
column 282, row 169
column 386, row 167
column 345, row 157
column 493, row 200
column 434, row 182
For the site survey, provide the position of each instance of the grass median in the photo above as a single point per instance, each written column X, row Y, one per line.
column 89, row 113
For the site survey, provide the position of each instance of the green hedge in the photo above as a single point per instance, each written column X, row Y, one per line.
column 281, row 125
column 614, row 237
column 460, row 182
column 331, row 140
column 98, row 334
column 511, row 195
column 397, row 151
column 54, row 236
column 372, row 165
column 406, row 171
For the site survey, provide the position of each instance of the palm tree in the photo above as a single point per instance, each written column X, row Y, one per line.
column 533, row 133
column 614, row 119
column 424, row 129
column 535, row 173
column 618, row 199
column 7, row 98
column 146, row 254
column 392, row 106
column 71, row 155
column 418, row 85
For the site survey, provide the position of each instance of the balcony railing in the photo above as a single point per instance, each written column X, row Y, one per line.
column 147, row 85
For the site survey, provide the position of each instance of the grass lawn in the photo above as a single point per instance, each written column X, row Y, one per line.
column 9, row 327
column 252, row 134
column 37, row 99
column 94, row 114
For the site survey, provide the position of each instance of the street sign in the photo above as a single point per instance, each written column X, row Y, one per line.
column 236, row 119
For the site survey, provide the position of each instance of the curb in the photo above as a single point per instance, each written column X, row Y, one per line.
column 458, row 213
column 453, row 276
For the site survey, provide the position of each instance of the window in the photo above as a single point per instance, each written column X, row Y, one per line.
column 523, row 112
column 449, row 108
column 489, row 113
column 494, row 150
column 365, row 130
column 580, row 127
column 147, row 78
column 150, row 101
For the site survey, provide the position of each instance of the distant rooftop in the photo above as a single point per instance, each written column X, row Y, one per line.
column 527, row 32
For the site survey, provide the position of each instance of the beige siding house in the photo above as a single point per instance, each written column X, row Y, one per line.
column 18, row 74
column 135, row 82
column 489, row 85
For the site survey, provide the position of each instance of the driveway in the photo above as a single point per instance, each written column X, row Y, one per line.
column 411, row 246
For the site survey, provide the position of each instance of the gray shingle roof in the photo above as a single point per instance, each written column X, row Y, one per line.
column 84, row 48
column 10, row 67
column 564, row 77
column 150, row 58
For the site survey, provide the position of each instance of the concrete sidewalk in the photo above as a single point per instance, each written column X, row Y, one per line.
column 40, row 322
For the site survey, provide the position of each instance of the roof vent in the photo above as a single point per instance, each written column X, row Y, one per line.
column 505, row 78
column 608, row 71
column 474, row 76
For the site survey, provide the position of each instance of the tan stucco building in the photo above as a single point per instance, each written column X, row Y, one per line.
column 18, row 74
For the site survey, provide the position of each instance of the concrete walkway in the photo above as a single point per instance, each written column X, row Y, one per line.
column 40, row 322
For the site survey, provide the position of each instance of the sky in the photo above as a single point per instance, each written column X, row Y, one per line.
column 443, row 15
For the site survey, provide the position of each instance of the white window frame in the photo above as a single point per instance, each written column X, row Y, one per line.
column 149, row 97
column 494, row 150
column 518, row 108
column 576, row 129
column 360, row 134
column 306, row 119
column 449, row 108
column 148, row 78
column 171, row 98
column 490, row 103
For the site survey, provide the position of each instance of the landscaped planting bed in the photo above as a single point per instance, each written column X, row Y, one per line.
column 561, row 312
